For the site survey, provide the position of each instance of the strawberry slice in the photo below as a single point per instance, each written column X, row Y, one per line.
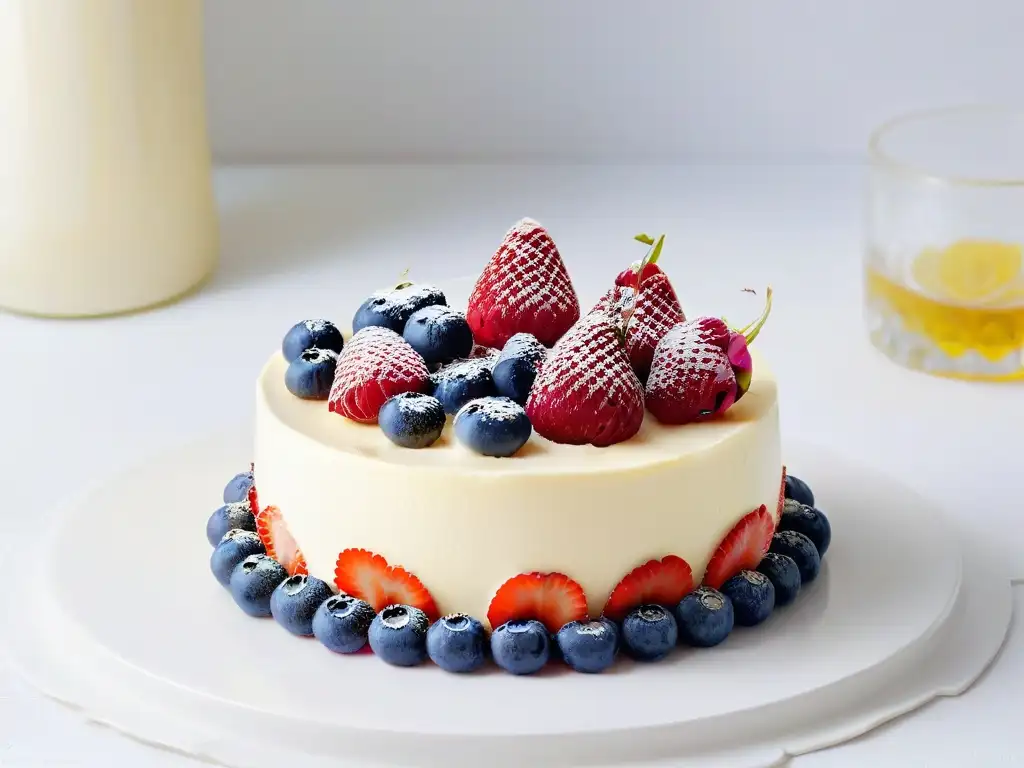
column 742, row 548
column 254, row 502
column 368, row 576
column 782, row 497
column 553, row 599
column 280, row 544
column 663, row 582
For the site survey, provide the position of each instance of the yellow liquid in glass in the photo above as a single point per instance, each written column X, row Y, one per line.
column 964, row 299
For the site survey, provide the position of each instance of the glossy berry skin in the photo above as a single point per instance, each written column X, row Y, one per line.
column 752, row 596
column 705, row 618
column 439, row 334
column 521, row 647
column 230, row 517
column 238, row 487
column 296, row 600
column 801, row 549
column 589, row 646
column 457, row 384
column 342, row 623
column 809, row 521
column 649, row 632
column 784, row 575
column 412, row 420
column 253, row 583
column 493, row 426
column 310, row 334
column 393, row 308
column 311, row 374
column 398, row 635
column 457, row 643
column 231, row 550
column 798, row 490
column 517, row 365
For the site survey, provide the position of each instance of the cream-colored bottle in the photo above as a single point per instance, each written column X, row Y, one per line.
column 105, row 193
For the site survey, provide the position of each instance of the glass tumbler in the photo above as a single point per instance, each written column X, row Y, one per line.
column 943, row 274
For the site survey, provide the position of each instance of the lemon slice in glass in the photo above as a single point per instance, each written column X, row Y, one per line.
column 971, row 272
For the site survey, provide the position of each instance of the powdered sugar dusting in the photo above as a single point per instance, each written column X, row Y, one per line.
column 589, row 359
column 474, row 369
column 315, row 326
column 683, row 356
column 494, row 408
column 405, row 300
column 525, row 282
column 657, row 311
column 374, row 355
column 616, row 304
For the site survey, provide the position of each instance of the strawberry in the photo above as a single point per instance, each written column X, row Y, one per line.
column 524, row 288
column 254, row 499
column 368, row 576
column 735, row 344
column 279, row 542
column 691, row 380
column 657, row 311
column 617, row 303
column 375, row 365
column 663, row 582
column 586, row 391
column 782, row 497
column 742, row 548
column 630, row 277
column 553, row 599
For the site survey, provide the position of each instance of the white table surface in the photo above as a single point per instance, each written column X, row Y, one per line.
column 79, row 399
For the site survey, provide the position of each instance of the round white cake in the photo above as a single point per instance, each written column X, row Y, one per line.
column 464, row 523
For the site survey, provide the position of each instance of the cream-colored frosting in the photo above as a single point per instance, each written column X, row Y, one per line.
column 464, row 523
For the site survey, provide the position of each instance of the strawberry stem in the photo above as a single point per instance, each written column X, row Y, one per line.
column 652, row 256
column 750, row 331
column 403, row 280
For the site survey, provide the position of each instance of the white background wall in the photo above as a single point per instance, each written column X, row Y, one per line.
column 593, row 79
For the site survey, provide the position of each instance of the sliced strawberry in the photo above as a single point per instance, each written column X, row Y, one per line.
column 553, row 599
column 742, row 548
column 663, row 582
column 280, row 544
column 368, row 576
column 782, row 497
column 254, row 502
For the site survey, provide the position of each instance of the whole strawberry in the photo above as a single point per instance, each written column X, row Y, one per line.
column 524, row 288
column 375, row 365
column 691, row 379
column 735, row 344
column 586, row 391
column 617, row 303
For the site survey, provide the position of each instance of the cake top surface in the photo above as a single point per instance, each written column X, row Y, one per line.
column 654, row 444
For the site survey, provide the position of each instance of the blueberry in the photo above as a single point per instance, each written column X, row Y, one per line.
column 493, row 426
column 253, row 582
column 752, row 596
column 589, row 646
column 705, row 618
column 235, row 516
column 517, row 365
column 308, row 334
column 457, row 643
column 311, row 374
column 393, row 308
column 801, row 549
column 798, row 490
column 457, row 384
column 231, row 550
column 238, row 487
column 649, row 633
column 784, row 575
column 398, row 635
column 809, row 521
column 412, row 420
column 439, row 334
column 295, row 602
column 342, row 623
column 521, row 647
